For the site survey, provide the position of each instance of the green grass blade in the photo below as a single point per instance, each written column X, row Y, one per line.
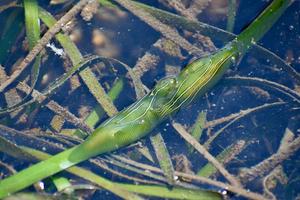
column 163, row 157
column 87, row 175
column 121, row 189
column 208, row 170
column 173, row 193
column 231, row 13
column 33, row 35
column 97, row 113
column 197, row 128
column 11, row 29
column 32, row 22
column 61, row 183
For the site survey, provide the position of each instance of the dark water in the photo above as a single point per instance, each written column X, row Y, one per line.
column 127, row 38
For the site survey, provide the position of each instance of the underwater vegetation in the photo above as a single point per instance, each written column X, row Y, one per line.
column 150, row 103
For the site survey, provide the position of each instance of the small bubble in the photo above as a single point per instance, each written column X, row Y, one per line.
column 224, row 192
column 65, row 164
column 41, row 185
column 291, row 27
column 233, row 59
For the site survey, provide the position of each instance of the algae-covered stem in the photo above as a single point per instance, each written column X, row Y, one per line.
column 140, row 118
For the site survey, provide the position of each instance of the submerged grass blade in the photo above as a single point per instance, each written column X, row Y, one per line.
column 231, row 13
column 61, row 183
column 97, row 113
column 163, row 157
column 197, row 129
column 87, row 175
column 107, row 3
column 13, row 150
column 143, row 116
column 217, row 33
column 126, row 190
column 86, row 74
column 33, row 35
column 174, row 193
column 223, row 157
column 30, row 196
column 10, row 31
column 69, row 47
column 32, row 23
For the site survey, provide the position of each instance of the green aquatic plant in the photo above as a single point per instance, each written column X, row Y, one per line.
column 169, row 95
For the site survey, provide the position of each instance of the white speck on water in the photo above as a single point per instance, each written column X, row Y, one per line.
column 224, row 192
column 233, row 59
column 41, row 185
column 253, row 41
column 175, row 178
column 57, row 51
column 291, row 27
